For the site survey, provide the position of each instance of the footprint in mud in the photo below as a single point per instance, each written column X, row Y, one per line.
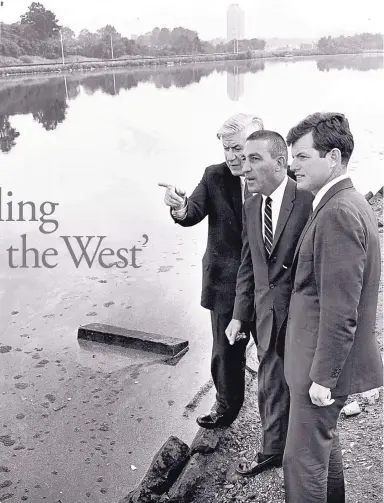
column 103, row 281
column 107, row 304
column 7, row 441
column 24, row 335
column 21, row 385
column 6, row 483
column 49, row 315
column 92, row 277
column 50, row 398
column 5, row 349
column 20, row 416
column 165, row 268
column 13, row 313
column 42, row 363
column 92, row 313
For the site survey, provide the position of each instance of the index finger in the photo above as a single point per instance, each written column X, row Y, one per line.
column 166, row 185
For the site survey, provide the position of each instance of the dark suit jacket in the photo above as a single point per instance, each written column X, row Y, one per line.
column 218, row 195
column 265, row 284
column 330, row 335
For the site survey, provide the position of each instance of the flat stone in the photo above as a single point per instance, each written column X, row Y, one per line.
column 119, row 336
column 166, row 466
column 206, row 441
column 184, row 488
column 369, row 195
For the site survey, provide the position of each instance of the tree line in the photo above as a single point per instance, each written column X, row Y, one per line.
column 356, row 43
column 38, row 33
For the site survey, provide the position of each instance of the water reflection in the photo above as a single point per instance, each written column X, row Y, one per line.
column 8, row 134
column 235, row 84
column 47, row 102
column 359, row 63
column 46, row 99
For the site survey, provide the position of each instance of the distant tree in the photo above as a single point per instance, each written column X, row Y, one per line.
column 155, row 36
column 43, row 21
column 68, row 34
column 103, row 46
column 164, row 37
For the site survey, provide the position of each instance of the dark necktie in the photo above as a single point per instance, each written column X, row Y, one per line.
column 268, row 230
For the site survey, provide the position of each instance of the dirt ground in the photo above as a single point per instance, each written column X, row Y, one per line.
column 361, row 439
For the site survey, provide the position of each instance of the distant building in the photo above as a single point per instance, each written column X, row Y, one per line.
column 307, row 47
column 235, row 23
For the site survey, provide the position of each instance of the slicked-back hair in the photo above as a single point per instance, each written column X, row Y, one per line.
column 276, row 143
column 329, row 130
column 238, row 122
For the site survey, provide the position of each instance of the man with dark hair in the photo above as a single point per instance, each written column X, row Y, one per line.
column 331, row 350
column 272, row 223
column 220, row 195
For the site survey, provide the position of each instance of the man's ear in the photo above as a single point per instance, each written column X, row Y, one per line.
column 281, row 163
column 334, row 157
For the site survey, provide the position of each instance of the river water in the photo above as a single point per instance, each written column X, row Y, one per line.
column 80, row 423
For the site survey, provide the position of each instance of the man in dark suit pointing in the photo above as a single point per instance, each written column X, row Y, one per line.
column 220, row 195
column 272, row 223
column 331, row 350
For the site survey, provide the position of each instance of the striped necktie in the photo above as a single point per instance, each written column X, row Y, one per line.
column 268, row 230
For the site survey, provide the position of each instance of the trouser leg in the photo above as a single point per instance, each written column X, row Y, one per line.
column 313, row 469
column 273, row 399
column 227, row 366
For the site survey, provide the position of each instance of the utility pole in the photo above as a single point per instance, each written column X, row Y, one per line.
column 1, row 18
column 111, row 47
column 62, row 46
column 235, row 46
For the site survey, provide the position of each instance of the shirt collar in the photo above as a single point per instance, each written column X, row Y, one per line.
column 278, row 193
column 325, row 189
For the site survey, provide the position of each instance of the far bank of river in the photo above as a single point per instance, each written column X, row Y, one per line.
column 88, row 65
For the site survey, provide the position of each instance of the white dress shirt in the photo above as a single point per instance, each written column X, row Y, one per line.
column 242, row 184
column 325, row 188
column 277, row 199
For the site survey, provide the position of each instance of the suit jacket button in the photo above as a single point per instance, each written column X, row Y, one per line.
column 271, row 285
column 271, row 308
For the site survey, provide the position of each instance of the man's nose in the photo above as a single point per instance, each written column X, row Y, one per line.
column 293, row 165
column 231, row 154
column 245, row 167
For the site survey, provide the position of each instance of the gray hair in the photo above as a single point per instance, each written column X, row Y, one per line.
column 239, row 122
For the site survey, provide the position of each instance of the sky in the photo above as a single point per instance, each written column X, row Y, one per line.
column 264, row 19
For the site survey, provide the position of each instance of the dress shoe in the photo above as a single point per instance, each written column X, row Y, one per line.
column 264, row 462
column 215, row 420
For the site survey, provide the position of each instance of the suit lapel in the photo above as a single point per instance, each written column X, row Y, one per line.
column 285, row 210
column 233, row 191
column 342, row 185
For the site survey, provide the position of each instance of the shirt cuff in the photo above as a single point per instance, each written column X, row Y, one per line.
column 180, row 214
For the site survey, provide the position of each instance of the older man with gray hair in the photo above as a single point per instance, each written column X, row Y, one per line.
column 220, row 195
